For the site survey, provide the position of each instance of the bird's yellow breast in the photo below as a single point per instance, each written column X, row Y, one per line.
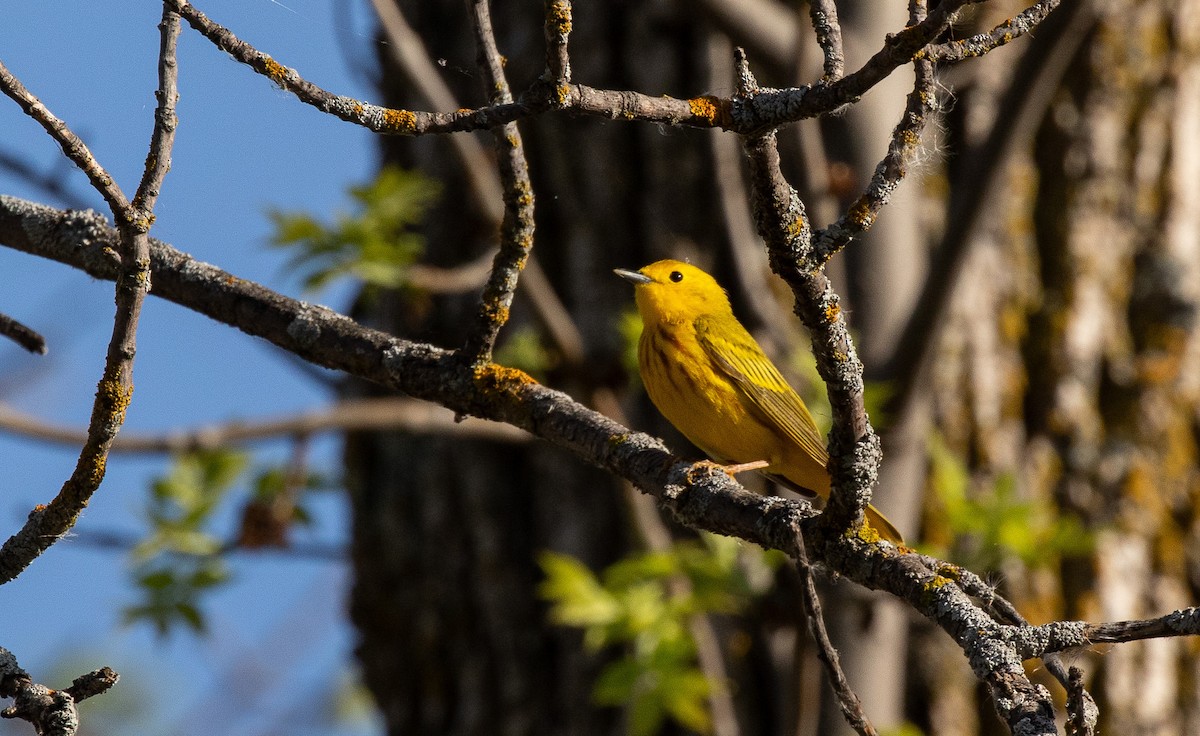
column 701, row 403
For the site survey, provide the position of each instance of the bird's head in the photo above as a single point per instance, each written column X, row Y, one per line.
column 672, row 291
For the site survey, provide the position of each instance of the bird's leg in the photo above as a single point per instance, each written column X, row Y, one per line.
column 739, row 467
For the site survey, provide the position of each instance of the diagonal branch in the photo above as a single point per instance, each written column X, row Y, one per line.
column 1003, row 34
column 22, row 335
column 906, row 138
column 50, row 522
column 851, row 706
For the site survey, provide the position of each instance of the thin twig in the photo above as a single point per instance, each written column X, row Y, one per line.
column 906, row 138
column 389, row 413
column 1005, row 33
column 829, row 37
column 516, row 231
column 848, row 701
column 51, row 712
column 74, row 148
column 1082, row 713
column 557, row 28
column 22, row 335
column 162, row 139
column 48, row 523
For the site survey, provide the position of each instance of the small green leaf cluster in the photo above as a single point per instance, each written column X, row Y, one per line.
column 182, row 558
column 645, row 604
column 376, row 244
column 994, row 526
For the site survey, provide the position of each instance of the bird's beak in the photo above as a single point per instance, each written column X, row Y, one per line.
column 633, row 277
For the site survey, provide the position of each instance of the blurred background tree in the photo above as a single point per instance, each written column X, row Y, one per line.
column 1028, row 300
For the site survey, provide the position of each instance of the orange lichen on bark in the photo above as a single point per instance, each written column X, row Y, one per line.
column 403, row 121
column 277, row 72
column 709, row 108
column 498, row 378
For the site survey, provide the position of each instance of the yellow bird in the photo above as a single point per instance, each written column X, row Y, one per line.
column 710, row 379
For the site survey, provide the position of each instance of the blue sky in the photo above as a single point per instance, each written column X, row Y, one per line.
column 243, row 146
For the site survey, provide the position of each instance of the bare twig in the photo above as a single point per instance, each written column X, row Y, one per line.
column 557, row 28
column 761, row 111
column 1005, row 33
column 51, row 712
column 906, row 138
column 829, row 37
column 162, row 139
column 1082, row 712
column 22, row 335
column 46, row 524
column 851, row 706
column 516, row 231
column 74, row 148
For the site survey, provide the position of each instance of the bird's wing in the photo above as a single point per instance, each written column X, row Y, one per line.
column 736, row 354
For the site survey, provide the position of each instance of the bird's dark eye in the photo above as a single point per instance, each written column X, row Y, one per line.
column 676, row 276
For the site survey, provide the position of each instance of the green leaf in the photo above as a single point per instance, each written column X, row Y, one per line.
column 578, row 598
column 375, row 244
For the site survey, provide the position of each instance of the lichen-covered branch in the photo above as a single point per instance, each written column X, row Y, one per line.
column 698, row 495
column 783, row 224
column 51, row 712
column 557, row 28
column 766, row 109
column 47, row 523
column 829, row 37
column 1003, row 34
column 906, row 138
column 517, row 228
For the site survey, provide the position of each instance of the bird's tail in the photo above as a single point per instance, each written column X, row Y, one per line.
column 886, row 529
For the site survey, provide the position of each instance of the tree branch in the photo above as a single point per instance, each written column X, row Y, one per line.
column 767, row 108
column 517, row 228
column 390, row 413
column 22, row 335
column 851, row 706
column 48, row 523
column 52, row 712
column 1005, row 33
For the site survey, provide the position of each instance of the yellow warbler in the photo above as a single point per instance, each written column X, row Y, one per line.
column 710, row 379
